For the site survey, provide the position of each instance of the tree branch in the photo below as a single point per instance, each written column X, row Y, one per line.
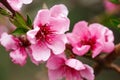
column 6, row 4
column 107, row 61
column 115, row 67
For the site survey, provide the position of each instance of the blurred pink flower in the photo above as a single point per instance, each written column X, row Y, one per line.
column 13, row 44
column 71, row 69
column 3, row 29
column 96, row 38
column 17, row 4
column 1, row 5
column 110, row 7
column 48, row 32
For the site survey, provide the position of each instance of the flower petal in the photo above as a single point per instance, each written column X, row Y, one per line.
column 15, row 4
column 98, row 47
column 75, row 64
column 97, row 30
column 55, row 62
column 26, row 1
column 60, row 25
column 81, row 29
column 55, row 74
column 87, row 73
column 59, row 11
column 9, row 41
column 29, row 51
column 31, row 35
column 19, row 56
column 42, row 17
column 40, row 52
column 56, row 45
column 108, row 47
column 81, row 50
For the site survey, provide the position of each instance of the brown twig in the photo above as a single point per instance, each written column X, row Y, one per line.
column 107, row 61
column 115, row 67
column 6, row 4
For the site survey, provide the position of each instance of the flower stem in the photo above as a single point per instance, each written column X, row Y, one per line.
column 6, row 4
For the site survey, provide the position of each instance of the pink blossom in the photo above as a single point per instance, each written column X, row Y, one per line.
column 71, row 69
column 96, row 38
column 3, row 29
column 18, row 53
column 48, row 32
column 9, row 41
column 19, row 56
column 110, row 7
column 17, row 4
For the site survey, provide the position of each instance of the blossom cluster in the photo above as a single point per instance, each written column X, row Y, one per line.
column 46, row 42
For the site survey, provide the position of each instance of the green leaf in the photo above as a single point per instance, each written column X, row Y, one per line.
column 115, row 1
column 111, row 21
column 29, row 22
column 4, row 12
column 19, row 31
column 19, row 21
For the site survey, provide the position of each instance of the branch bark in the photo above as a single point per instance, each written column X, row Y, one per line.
column 6, row 4
column 107, row 61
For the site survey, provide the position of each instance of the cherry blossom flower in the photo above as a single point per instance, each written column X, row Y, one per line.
column 48, row 32
column 18, row 53
column 110, row 7
column 3, row 29
column 95, row 38
column 70, row 69
column 17, row 4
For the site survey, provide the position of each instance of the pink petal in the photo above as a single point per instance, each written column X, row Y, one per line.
column 3, row 29
column 31, row 35
column 81, row 29
column 108, row 41
column 73, row 75
column 81, row 50
column 40, row 52
column 19, row 56
column 59, row 11
column 56, row 45
column 15, row 4
column 98, row 47
column 42, row 17
column 26, row 1
column 55, row 74
column 75, row 64
column 96, row 30
column 55, row 62
column 109, row 6
column 109, row 35
column 108, row 47
column 60, row 25
column 9, row 42
column 72, row 39
column 87, row 73
column 29, row 51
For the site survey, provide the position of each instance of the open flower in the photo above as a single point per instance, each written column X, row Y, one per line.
column 71, row 69
column 96, row 38
column 48, row 32
column 18, row 53
column 17, row 4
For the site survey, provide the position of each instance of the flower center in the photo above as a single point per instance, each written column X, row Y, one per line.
column 90, row 41
column 45, row 33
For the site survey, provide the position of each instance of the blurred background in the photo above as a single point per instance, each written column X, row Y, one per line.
column 89, row 10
